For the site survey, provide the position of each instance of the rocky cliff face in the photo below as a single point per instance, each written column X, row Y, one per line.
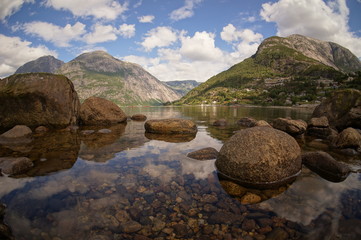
column 99, row 74
column 327, row 53
column 47, row 64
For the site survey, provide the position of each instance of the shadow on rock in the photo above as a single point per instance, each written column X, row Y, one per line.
column 172, row 138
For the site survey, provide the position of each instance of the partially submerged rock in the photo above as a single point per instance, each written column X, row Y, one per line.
column 18, row 131
column 138, row 117
column 220, row 123
column 290, row 126
column 348, row 138
column 260, row 157
column 204, row 154
column 12, row 166
column 171, row 126
column 172, row 138
column 342, row 109
column 326, row 166
column 319, row 127
column 36, row 99
column 247, row 122
column 262, row 123
column 99, row 111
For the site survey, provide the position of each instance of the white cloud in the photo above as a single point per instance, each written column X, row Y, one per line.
column 146, row 19
column 231, row 34
column 313, row 18
column 102, row 9
column 9, row 7
column 186, row 11
column 159, row 37
column 15, row 52
column 101, row 33
column 127, row 30
column 60, row 36
column 200, row 47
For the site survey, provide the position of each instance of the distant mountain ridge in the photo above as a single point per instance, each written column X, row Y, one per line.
column 100, row 74
column 283, row 71
column 47, row 64
column 182, row 87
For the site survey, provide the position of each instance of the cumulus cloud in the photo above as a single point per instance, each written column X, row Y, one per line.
column 186, row 11
column 15, row 52
column 127, row 30
column 314, row 18
column 9, row 7
column 146, row 19
column 101, row 33
column 101, row 9
column 159, row 37
column 60, row 36
column 200, row 47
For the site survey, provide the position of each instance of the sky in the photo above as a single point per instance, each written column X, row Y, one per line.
column 172, row 39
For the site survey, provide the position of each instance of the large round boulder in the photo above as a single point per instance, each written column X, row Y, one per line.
column 348, row 138
column 342, row 109
column 100, row 111
column 260, row 157
column 171, row 126
column 36, row 99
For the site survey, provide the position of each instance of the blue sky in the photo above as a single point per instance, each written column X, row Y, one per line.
column 172, row 39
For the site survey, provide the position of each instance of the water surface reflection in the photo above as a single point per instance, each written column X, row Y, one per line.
column 125, row 185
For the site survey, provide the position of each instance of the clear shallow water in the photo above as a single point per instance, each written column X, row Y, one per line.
column 123, row 185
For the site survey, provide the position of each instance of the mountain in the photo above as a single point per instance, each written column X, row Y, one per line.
column 182, row 87
column 283, row 71
column 48, row 64
column 99, row 74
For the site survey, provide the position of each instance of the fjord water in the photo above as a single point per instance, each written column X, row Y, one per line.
column 125, row 185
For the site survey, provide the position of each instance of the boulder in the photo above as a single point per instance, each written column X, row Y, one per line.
column 170, row 126
column 262, row 123
column 99, row 111
column 247, row 122
column 319, row 127
column 348, row 138
column 220, row 123
column 260, row 157
column 36, row 99
column 204, row 154
column 290, row 126
column 138, row 117
column 18, row 131
column 321, row 122
column 12, row 166
column 326, row 166
column 342, row 109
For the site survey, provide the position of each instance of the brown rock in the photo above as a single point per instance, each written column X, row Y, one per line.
column 326, row 166
column 247, row 122
column 250, row 198
column 290, row 126
column 262, row 123
column 204, row 154
column 139, row 117
column 342, row 109
column 170, row 126
column 12, row 166
column 41, row 129
column 260, row 157
column 220, row 123
column 232, row 188
column 36, row 99
column 348, row 138
column 248, row 225
column 17, row 132
column 172, row 138
column 99, row 111
column 131, row 227
column 321, row 122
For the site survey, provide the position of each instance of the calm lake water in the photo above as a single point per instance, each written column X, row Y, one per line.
column 127, row 185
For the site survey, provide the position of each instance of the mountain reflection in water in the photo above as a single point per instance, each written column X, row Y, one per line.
column 126, row 185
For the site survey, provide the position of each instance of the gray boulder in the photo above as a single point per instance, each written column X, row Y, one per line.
column 260, row 157
column 348, row 138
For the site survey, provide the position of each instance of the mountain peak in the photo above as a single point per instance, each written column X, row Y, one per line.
column 47, row 64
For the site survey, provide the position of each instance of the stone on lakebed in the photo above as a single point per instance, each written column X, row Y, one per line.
column 171, row 126
column 260, row 157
